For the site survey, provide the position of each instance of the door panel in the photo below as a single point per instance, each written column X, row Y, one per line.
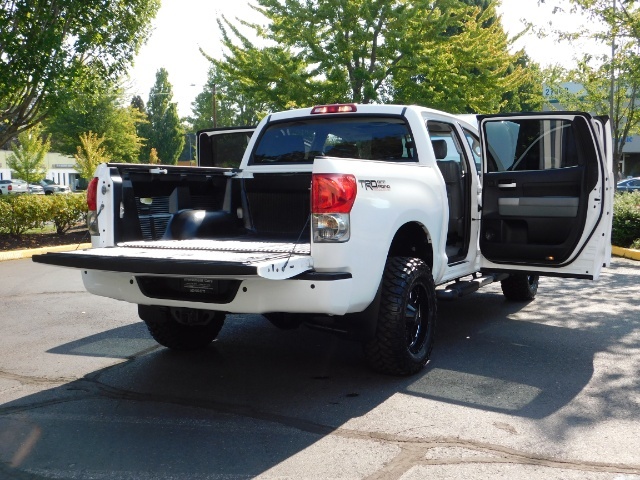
column 543, row 187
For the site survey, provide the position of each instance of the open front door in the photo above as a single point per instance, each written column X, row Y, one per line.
column 547, row 193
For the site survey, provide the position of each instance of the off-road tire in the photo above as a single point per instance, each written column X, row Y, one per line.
column 406, row 320
column 520, row 287
column 169, row 333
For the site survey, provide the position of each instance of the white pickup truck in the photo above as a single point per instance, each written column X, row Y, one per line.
column 354, row 219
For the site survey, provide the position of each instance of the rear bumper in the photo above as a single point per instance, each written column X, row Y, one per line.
column 328, row 294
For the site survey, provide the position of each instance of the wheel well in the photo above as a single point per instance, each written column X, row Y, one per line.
column 412, row 240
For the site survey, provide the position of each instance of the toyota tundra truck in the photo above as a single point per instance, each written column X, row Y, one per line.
column 354, row 219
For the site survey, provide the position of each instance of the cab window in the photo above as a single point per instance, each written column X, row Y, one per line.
column 362, row 138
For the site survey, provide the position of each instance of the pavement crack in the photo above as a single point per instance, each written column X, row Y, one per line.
column 29, row 380
column 414, row 452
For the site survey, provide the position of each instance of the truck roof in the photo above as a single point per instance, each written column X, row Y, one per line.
column 377, row 109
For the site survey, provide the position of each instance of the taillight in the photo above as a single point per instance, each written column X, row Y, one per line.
column 335, row 108
column 332, row 198
column 333, row 193
column 92, row 204
column 9, row 187
column 92, row 194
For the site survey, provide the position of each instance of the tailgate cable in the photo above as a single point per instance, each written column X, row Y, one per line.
column 297, row 242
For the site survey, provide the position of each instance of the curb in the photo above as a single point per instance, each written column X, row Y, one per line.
column 28, row 253
column 629, row 253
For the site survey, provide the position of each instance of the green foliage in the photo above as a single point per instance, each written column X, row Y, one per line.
column 67, row 211
column 164, row 132
column 273, row 77
column 626, row 219
column 153, row 157
column 49, row 50
column 100, row 111
column 234, row 105
column 527, row 97
column 19, row 213
column 594, row 95
column 464, row 66
column 451, row 54
column 27, row 159
column 594, row 73
column 90, row 154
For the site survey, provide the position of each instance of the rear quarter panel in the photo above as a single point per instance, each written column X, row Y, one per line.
column 389, row 196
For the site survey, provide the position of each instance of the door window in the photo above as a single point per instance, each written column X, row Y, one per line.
column 531, row 145
column 474, row 145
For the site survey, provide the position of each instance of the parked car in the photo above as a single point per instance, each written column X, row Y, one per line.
column 629, row 185
column 36, row 189
column 50, row 187
column 13, row 187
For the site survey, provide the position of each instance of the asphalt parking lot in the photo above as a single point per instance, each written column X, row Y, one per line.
column 547, row 389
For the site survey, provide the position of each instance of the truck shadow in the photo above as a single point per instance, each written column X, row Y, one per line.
column 259, row 396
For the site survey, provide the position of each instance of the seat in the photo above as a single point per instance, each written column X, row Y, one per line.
column 452, row 176
column 387, row 148
column 281, row 148
column 343, row 150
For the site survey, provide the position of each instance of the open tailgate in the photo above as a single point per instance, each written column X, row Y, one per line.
column 209, row 258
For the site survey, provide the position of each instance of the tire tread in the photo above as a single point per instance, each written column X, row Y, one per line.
column 387, row 352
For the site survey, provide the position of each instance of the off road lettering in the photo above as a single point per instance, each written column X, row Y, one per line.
column 375, row 185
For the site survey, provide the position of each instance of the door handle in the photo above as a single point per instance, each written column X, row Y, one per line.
column 507, row 185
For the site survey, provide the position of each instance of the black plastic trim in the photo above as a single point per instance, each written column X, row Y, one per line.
column 323, row 276
column 585, row 276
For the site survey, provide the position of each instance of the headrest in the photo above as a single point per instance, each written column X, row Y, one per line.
column 440, row 149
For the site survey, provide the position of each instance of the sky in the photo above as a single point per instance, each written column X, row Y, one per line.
column 183, row 27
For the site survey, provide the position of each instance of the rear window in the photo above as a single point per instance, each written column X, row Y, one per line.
column 363, row 138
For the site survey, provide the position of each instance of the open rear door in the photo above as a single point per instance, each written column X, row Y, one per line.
column 547, row 193
column 222, row 147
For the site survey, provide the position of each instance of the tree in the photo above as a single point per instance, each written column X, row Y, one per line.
column 164, row 132
column 153, row 157
column 468, row 69
column 101, row 111
column 591, row 92
column 608, row 84
column 233, row 106
column 273, row 77
column 446, row 53
column 27, row 158
column 527, row 97
column 90, row 153
column 48, row 51
column 138, row 103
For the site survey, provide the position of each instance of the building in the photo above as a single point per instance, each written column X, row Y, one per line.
column 60, row 168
